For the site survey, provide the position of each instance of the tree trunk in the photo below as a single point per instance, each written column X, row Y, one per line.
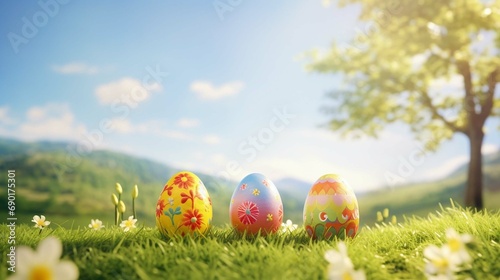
column 474, row 188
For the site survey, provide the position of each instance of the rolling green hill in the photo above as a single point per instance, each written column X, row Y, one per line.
column 421, row 198
column 45, row 184
column 71, row 195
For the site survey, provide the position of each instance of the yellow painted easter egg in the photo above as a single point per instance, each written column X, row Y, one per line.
column 184, row 206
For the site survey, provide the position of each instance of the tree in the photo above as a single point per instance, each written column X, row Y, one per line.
column 391, row 70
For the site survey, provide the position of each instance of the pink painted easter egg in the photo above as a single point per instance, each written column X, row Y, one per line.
column 256, row 206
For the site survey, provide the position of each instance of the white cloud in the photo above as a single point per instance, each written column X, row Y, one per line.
column 76, row 68
column 122, row 126
column 126, row 90
column 187, row 123
column 211, row 139
column 50, row 122
column 5, row 119
column 4, row 112
column 36, row 113
column 219, row 159
column 174, row 134
column 279, row 167
column 206, row 90
column 307, row 154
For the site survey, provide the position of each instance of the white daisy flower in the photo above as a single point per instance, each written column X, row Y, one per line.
column 289, row 226
column 128, row 224
column 456, row 243
column 40, row 221
column 44, row 263
column 95, row 224
column 341, row 266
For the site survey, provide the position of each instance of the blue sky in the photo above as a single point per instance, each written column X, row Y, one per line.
column 180, row 83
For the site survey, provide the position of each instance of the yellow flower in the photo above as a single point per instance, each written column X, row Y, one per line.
column 386, row 213
column 269, row 217
column 121, row 207
column 135, row 192
column 119, row 188
column 44, row 263
column 379, row 216
column 114, row 199
column 128, row 224
column 394, row 220
column 256, row 192
column 95, row 224
column 40, row 221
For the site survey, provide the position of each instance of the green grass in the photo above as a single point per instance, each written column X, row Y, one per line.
column 383, row 251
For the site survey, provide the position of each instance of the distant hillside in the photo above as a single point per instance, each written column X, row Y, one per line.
column 489, row 162
column 411, row 199
column 47, row 184
column 421, row 198
column 294, row 187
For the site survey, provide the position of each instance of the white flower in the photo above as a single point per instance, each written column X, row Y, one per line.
column 440, row 277
column 341, row 266
column 43, row 263
column 128, row 224
column 340, row 257
column 40, row 222
column 352, row 274
column 441, row 262
column 456, row 244
column 288, row 226
column 95, row 224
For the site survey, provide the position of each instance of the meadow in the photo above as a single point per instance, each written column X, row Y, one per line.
column 384, row 251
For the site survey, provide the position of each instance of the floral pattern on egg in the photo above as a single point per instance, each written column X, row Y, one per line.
column 256, row 206
column 184, row 206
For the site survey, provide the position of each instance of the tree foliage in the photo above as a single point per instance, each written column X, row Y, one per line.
column 431, row 64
